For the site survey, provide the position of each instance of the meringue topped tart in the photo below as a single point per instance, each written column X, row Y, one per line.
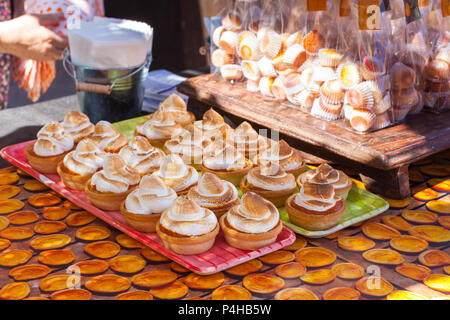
column 142, row 156
column 214, row 194
column 186, row 228
column 78, row 125
column 212, row 125
column 176, row 174
column 52, row 145
column 289, row 158
column 316, row 206
column 108, row 138
column 159, row 128
column 271, row 182
column 227, row 163
column 252, row 224
column 144, row 205
column 248, row 141
column 175, row 105
column 108, row 188
column 340, row 181
column 79, row 165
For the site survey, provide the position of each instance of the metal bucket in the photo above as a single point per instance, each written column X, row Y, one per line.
column 109, row 94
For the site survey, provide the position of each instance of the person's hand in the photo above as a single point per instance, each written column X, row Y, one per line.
column 28, row 37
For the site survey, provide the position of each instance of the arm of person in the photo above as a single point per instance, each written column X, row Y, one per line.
column 27, row 37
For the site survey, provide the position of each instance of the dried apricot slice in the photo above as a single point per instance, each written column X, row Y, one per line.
column 102, row 249
column 59, row 282
column 379, row 231
column 231, row 292
column 70, row 205
column 318, row 276
column 4, row 223
column 178, row 268
column 44, row 200
column 430, row 233
column 425, row 194
column 128, row 242
column 80, row 218
column 4, row 243
column 348, row 271
column 374, row 286
column 89, row 267
column 127, row 264
column 299, row 243
column 355, row 243
column 154, row 278
column 175, row 290
column 8, row 178
column 408, row 244
column 29, row 272
column 434, row 258
column 383, row 256
column 49, row 227
column 262, row 283
column 23, row 217
column 108, row 283
column 7, row 192
column 93, row 233
column 34, row 186
column 413, row 271
column 153, row 256
column 135, row 295
column 296, row 294
column 405, row 295
column 71, row 294
column 55, row 213
column 16, row 233
column 315, row 257
column 439, row 184
column 341, row 293
column 419, row 216
column 15, row 291
column 277, row 257
column 396, row 222
column 439, row 282
column 396, row 204
column 290, row 270
column 444, row 221
column 54, row 241
column 10, row 205
column 439, row 206
column 204, row 282
column 56, row 257
column 14, row 257
column 245, row 268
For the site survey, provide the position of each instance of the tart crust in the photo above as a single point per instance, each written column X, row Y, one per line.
column 140, row 222
column 234, row 176
column 43, row 164
column 277, row 197
column 157, row 143
column 106, row 200
column 71, row 179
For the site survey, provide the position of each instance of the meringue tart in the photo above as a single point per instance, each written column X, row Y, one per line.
column 337, row 178
column 271, row 182
column 176, row 174
column 247, row 141
column 108, row 138
column 212, row 125
column 252, row 224
column 52, row 145
column 316, row 206
column 79, row 165
column 288, row 158
column 142, row 156
column 186, row 228
column 214, row 194
column 144, row 205
column 175, row 105
column 108, row 188
column 78, row 125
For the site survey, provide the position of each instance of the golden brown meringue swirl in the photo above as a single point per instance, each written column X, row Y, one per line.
column 270, row 176
column 141, row 155
column 152, row 196
column 176, row 174
column 176, row 105
column 188, row 144
column 246, row 139
column 253, row 215
column 77, row 124
column 187, row 218
column 85, row 159
column 116, row 176
column 161, row 125
column 281, row 152
column 336, row 177
column 53, row 140
column 211, row 191
column 107, row 137
column 227, row 159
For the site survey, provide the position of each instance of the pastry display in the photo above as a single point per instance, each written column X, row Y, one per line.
column 79, row 165
column 142, row 156
column 108, row 188
column 51, row 146
column 175, row 105
column 176, row 174
column 143, row 206
column 78, row 125
column 270, row 181
column 252, row 224
column 186, row 228
column 214, row 194
column 108, row 138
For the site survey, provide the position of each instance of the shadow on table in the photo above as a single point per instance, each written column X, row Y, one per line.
column 20, row 135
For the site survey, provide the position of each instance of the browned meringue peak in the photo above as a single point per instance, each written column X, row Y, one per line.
column 173, row 102
column 327, row 174
column 77, row 124
column 140, row 154
column 211, row 120
column 85, row 159
column 270, row 176
column 316, row 194
column 227, row 158
column 161, row 125
column 318, row 191
column 53, row 140
column 247, row 139
column 211, row 191
column 187, row 218
column 288, row 157
column 254, row 214
column 107, row 137
column 175, row 173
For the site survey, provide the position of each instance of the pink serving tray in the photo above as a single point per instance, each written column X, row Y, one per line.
column 220, row 257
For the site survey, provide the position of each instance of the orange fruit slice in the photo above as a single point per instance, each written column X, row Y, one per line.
column 408, row 244
column 341, row 293
column 296, row 294
column 127, row 264
column 55, row 213
column 154, row 278
column 89, row 267
column 439, row 184
column 348, row 271
column 14, row 257
column 16, row 233
column 379, row 231
column 80, row 218
column 444, row 221
column 8, row 178
column 23, row 217
column 299, row 243
column 413, row 271
column 405, row 295
column 315, row 257
column 206, row 282
column 44, row 200
column 10, row 205
column 56, row 257
column 178, row 268
column 318, row 276
column 175, row 290
column 108, row 283
column 35, row 186
column 419, row 216
column 355, row 243
column 29, row 272
column 396, row 222
column 4, row 243
column 290, row 270
column 4, row 223
column 231, row 292
column 332, row 236
column 128, row 242
column 245, row 268
column 71, row 294
column 135, row 295
column 439, row 282
column 49, row 227
column 153, row 256
column 383, row 256
column 277, row 257
column 15, row 291
column 59, row 282
column 7, row 192
column 439, row 206
column 54, row 241
column 436, row 169
column 374, row 286
column 102, row 249
column 431, row 233
column 396, row 204
column 425, row 194
column 70, row 205
column 93, row 233
column 262, row 283
column 434, row 258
